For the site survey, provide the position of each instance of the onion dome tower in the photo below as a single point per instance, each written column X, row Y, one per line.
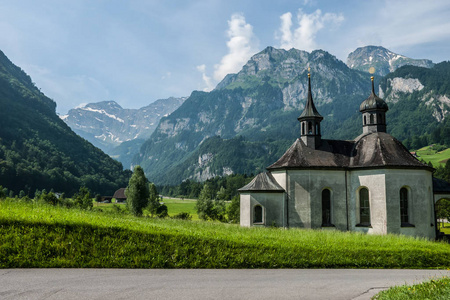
column 310, row 122
column 373, row 111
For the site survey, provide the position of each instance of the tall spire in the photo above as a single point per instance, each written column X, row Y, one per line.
column 310, row 109
column 310, row 121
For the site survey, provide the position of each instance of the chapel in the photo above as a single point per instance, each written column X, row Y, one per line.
column 371, row 184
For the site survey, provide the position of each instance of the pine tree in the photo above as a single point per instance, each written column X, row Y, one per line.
column 137, row 191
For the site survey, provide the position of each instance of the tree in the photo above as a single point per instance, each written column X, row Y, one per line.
column 233, row 210
column 443, row 209
column 83, row 198
column 153, row 200
column 204, row 203
column 137, row 191
column 207, row 208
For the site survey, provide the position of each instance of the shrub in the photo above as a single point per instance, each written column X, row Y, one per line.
column 183, row 216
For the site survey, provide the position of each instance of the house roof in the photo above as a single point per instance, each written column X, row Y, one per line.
column 120, row 194
column 370, row 150
column 441, row 186
column 263, row 182
column 373, row 102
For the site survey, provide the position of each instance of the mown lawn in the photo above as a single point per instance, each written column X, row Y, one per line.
column 36, row 235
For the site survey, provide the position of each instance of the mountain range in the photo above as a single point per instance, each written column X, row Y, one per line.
column 106, row 124
column 247, row 122
column 242, row 126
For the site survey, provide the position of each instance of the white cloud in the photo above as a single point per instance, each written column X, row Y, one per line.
column 304, row 36
column 206, row 79
column 242, row 44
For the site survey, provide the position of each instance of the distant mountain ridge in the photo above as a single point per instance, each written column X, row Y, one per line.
column 383, row 60
column 106, row 124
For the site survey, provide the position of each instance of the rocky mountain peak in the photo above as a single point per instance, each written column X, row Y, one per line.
column 383, row 60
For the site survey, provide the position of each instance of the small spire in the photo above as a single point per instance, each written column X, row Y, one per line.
column 373, row 87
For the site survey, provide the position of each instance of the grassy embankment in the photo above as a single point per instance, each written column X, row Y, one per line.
column 437, row 158
column 34, row 235
column 436, row 289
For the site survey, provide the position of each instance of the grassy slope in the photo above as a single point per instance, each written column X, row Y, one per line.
column 436, row 158
column 46, row 236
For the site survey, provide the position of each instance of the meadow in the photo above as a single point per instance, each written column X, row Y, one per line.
column 437, row 158
column 36, row 235
column 174, row 206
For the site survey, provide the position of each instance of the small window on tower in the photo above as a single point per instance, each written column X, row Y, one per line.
column 371, row 119
column 309, row 128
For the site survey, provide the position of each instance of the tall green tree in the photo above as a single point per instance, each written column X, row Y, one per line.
column 137, row 191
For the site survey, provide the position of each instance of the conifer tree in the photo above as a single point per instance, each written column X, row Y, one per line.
column 137, row 191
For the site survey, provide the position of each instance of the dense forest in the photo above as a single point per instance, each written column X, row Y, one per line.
column 39, row 151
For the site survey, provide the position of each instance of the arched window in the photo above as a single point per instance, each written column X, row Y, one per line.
column 258, row 214
column 309, row 127
column 303, row 128
column 371, row 119
column 364, row 207
column 404, row 206
column 326, row 207
column 365, row 120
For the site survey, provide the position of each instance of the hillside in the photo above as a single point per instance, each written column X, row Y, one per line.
column 40, row 236
column 38, row 150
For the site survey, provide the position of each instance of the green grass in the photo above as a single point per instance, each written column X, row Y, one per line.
column 436, row 289
column 436, row 158
column 174, row 206
column 40, row 236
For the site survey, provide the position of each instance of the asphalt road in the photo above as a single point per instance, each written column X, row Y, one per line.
column 258, row 284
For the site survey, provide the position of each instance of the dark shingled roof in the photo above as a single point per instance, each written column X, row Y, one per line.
column 366, row 151
column 263, row 182
column 310, row 109
column 120, row 194
column 373, row 102
column 441, row 186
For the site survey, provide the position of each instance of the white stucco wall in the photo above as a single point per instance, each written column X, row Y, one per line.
column 384, row 196
column 305, row 197
column 273, row 205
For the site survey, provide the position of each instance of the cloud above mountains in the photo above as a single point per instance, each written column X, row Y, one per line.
column 308, row 25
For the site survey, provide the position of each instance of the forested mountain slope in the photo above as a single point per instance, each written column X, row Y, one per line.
column 38, row 150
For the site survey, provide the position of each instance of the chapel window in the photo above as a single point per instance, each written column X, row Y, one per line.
column 404, row 206
column 303, row 128
column 309, row 128
column 365, row 120
column 258, row 214
column 364, row 207
column 326, row 207
column 371, row 119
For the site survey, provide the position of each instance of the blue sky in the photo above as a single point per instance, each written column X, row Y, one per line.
column 135, row 52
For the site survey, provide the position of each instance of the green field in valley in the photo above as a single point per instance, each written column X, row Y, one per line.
column 39, row 236
column 174, row 206
column 436, row 157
